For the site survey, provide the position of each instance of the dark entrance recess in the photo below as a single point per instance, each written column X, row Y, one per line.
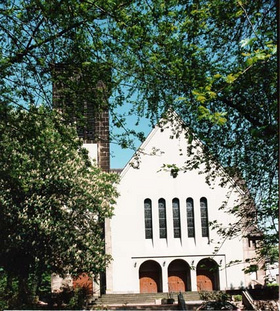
column 207, row 275
column 179, row 276
column 150, row 277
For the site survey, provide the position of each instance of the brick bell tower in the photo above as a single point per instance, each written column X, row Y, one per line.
column 81, row 92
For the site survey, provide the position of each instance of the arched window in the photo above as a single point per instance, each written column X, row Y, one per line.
column 204, row 217
column 148, row 219
column 162, row 218
column 176, row 218
column 190, row 218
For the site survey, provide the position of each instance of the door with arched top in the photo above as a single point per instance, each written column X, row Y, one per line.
column 207, row 275
column 150, row 277
column 178, row 276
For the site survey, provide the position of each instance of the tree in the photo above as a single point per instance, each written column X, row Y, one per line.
column 215, row 64
column 212, row 62
column 53, row 199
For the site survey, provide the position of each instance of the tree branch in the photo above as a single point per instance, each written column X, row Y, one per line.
column 269, row 130
column 19, row 55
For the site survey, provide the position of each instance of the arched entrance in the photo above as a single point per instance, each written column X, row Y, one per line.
column 179, row 276
column 207, row 275
column 150, row 277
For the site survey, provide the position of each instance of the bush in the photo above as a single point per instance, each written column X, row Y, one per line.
column 272, row 285
column 217, row 296
column 78, row 301
column 237, row 297
column 8, row 294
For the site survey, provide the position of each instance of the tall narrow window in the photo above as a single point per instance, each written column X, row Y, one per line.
column 148, row 219
column 190, row 217
column 176, row 218
column 162, row 218
column 204, row 217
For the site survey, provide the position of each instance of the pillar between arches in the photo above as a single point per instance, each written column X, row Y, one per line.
column 164, row 278
column 193, row 280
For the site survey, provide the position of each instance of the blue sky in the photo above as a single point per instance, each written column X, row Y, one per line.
column 119, row 156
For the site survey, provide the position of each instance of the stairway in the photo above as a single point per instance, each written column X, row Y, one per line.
column 190, row 296
column 149, row 301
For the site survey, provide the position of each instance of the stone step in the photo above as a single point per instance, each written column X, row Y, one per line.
column 146, row 307
column 138, row 299
column 189, row 307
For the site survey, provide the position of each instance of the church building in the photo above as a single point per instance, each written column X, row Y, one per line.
column 160, row 236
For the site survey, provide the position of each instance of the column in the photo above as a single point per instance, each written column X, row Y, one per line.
column 165, row 277
column 193, row 279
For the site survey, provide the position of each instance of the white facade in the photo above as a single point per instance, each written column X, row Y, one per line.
column 92, row 151
column 144, row 178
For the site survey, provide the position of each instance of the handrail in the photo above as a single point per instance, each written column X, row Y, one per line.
column 181, row 302
column 247, row 299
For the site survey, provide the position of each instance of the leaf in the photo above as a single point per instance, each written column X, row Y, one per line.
column 201, row 98
column 247, row 42
column 181, row 98
column 203, row 112
column 217, row 76
column 239, row 13
column 230, row 78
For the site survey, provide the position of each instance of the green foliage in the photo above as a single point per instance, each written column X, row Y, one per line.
column 78, row 301
column 9, row 289
column 43, row 288
column 212, row 61
column 5, row 295
column 251, row 268
column 214, row 296
column 237, row 297
column 53, row 200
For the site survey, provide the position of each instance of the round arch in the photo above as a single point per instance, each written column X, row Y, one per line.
column 179, row 279
column 150, row 277
column 207, row 275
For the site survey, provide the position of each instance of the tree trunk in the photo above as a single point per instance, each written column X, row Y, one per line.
column 9, row 284
column 23, row 289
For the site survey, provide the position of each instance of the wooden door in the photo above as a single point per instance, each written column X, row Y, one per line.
column 176, row 284
column 83, row 281
column 204, row 283
column 148, row 285
column 150, row 277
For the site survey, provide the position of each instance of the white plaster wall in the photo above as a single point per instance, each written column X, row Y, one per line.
column 129, row 246
column 92, row 151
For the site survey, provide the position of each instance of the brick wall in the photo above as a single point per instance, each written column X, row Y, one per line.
column 102, row 134
column 82, row 95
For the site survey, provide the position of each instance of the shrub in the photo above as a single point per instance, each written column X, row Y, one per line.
column 217, row 296
column 78, row 301
column 237, row 297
